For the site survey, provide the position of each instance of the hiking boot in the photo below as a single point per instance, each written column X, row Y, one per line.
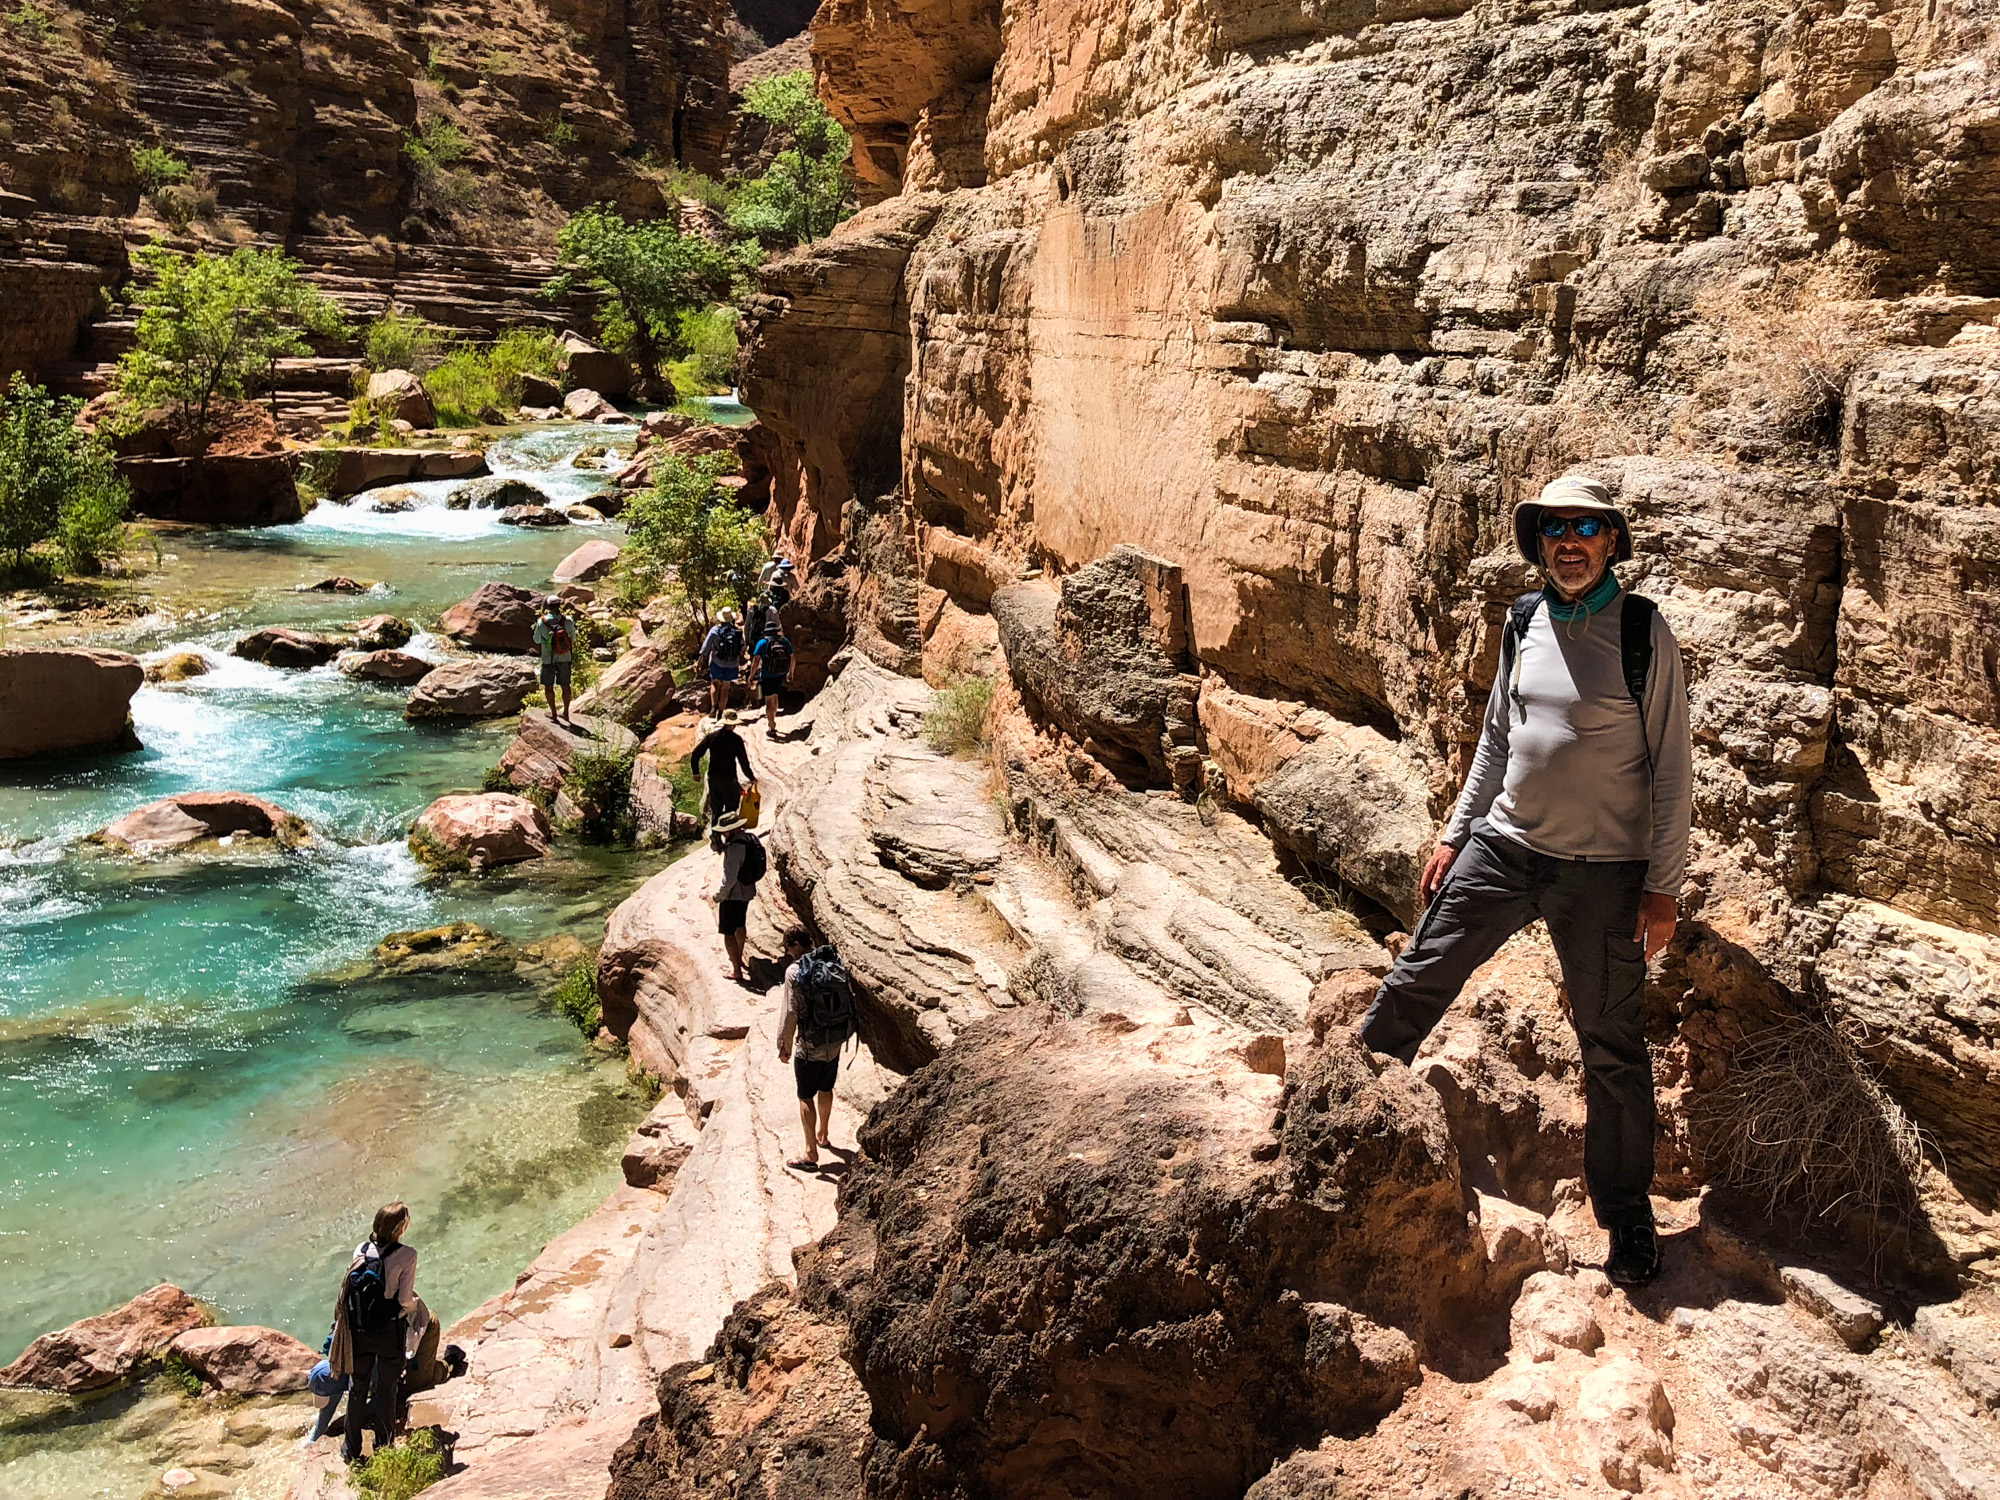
column 1635, row 1255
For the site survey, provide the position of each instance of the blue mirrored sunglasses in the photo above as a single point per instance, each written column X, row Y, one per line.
column 1554, row 526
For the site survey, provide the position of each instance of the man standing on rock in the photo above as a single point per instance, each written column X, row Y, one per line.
column 743, row 865
column 715, row 758
column 819, row 1017
column 1576, row 811
column 554, row 636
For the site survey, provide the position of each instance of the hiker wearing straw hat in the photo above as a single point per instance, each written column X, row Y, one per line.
column 743, row 864
column 721, row 658
column 1576, row 810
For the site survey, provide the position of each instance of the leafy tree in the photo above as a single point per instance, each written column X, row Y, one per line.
column 210, row 327
column 687, row 528
column 56, row 481
column 804, row 194
column 648, row 273
column 710, row 341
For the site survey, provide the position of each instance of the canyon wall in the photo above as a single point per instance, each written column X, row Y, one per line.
column 1301, row 299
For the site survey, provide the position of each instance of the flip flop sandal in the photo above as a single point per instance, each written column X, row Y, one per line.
column 802, row 1165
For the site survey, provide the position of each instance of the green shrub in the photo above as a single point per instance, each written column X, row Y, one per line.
column 407, row 1469
column 559, row 133
column 523, row 351
column 57, row 484
column 683, row 183
column 32, row 22
column 496, row 779
column 462, row 386
column 601, row 784
column 156, row 167
column 575, row 999
column 436, row 856
column 956, row 722
column 403, row 341
column 439, row 186
column 176, row 1372
column 686, row 530
column 317, row 467
column 687, row 788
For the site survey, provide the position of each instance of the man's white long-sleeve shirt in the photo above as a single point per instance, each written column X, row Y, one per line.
column 1563, row 765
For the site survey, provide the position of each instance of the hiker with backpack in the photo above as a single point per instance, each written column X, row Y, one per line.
column 721, row 659
column 558, row 646
column 744, row 863
column 377, row 1322
column 818, row 1020
column 775, row 660
column 1576, row 810
column 715, row 758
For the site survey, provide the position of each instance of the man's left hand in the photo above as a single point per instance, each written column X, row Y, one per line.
column 1657, row 914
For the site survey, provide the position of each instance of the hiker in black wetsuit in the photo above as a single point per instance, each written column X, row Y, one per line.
column 715, row 759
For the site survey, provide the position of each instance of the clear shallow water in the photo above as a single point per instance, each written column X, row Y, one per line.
column 178, row 1099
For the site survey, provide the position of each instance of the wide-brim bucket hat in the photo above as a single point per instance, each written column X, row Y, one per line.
column 1571, row 492
column 727, row 823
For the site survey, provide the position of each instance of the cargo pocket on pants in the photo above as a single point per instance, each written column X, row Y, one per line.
column 1624, row 984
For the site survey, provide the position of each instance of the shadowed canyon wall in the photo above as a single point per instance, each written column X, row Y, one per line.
column 1302, row 299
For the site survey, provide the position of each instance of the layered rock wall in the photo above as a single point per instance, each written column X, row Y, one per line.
column 1302, row 302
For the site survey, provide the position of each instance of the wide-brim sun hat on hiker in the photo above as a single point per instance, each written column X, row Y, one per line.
column 1571, row 492
column 731, row 716
column 727, row 823
column 728, row 617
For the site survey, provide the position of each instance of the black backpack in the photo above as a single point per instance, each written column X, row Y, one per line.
column 826, row 999
column 365, row 1296
column 777, row 656
column 728, row 642
column 755, row 862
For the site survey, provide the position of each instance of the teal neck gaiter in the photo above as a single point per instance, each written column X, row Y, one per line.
column 1589, row 604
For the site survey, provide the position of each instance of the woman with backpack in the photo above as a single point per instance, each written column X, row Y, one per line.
column 377, row 1321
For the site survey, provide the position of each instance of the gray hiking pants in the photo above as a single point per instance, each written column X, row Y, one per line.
column 1495, row 888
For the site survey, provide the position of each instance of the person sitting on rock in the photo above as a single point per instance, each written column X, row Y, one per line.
column 775, row 661
column 378, row 1321
column 743, row 865
column 715, row 758
column 819, row 1017
column 721, row 659
column 1576, row 810
column 557, row 641
column 329, row 1387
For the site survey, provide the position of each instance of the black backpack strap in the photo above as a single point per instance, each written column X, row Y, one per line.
column 1520, row 614
column 1635, row 644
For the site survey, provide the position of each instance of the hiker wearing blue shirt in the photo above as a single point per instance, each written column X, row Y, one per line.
column 1576, row 810
column 775, row 661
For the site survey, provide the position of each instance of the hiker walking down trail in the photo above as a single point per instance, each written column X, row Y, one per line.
column 775, row 661
column 377, row 1324
column 558, row 645
column 721, row 659
column 818, row 1020
column 1576, row 810
column 715, row 758
column 744, row 863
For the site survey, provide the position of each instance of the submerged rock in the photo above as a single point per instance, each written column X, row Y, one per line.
column 387, row 666
column 481, row 828
column 98, row 1352
column 532, row 515
column 279, row 647
column 484, row 688
column 66, row 702
column 179, row 667
column 339, row 584
column 246, row 1360
column 495, row 617
column 190, row 818
column 494, row 494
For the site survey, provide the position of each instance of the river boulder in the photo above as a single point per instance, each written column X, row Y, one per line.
column 539, row 390
column 387, row 666
column 636, row 690
column 399, row 396
column 222, row 489
column 484, row 688
column 591, row 560
column 382, row 633
column 586, row 366
column 340, row 583
column 279, row 647
column 532, row 515
column 482, row 828
column 494, row 617
column 358, row 469
column 494, row 493
column 96, row 1353
column 246, row 1361
column 66, row 702
column 178, row 667
column 190, row 818
column 587, row 406
column 545, row 752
